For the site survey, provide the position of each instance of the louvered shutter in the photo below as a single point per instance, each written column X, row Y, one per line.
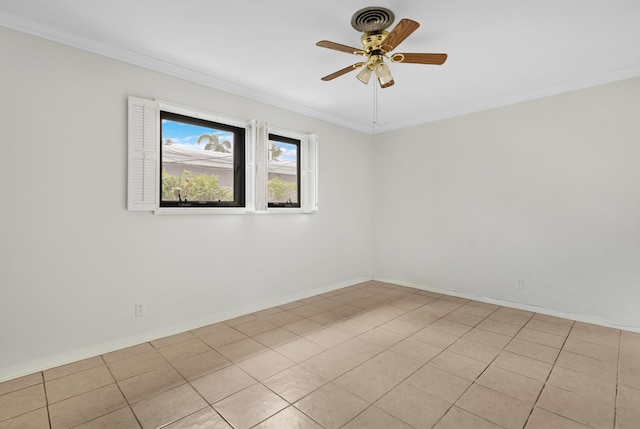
column 309, row 173
column 250, row 166
column 262, row 166
column 144, row 144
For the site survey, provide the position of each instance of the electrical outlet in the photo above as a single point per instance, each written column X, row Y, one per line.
column 520, row 284
column 140, row 309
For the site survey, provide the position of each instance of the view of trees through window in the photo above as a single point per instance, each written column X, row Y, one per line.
column 198, row 162
column 284, row 173
column 194, row 187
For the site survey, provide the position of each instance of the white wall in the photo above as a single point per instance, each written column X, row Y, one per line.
column 74, row 260
column 547, row 191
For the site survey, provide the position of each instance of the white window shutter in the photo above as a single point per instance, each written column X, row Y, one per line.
column 309, row 173
column 144, row 145
column 250, row 165
column 262, row 166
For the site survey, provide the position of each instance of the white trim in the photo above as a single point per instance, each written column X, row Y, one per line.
column 256, row 166
column 228, row 211
column 43, row 364
column 520, row 306
column 200, row 211
column 27, row 26
column 167, row 106
column 175, row 70
column 37, row 365
column 282, row 132
column 250, row 165
column 261, row 166
column 286, row 210
column 591, row 82
column 309, row 173
column 308, row 163
column 137, row 157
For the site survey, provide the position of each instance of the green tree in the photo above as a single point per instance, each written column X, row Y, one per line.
column 170, row 187
column 281, row 191
column 214, row 143
column 194, row 187
column 275, row 151
column 167, row 142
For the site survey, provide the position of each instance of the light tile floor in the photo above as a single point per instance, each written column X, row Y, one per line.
column 373, row 355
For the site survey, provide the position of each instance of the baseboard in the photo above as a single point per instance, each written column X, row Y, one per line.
column 38, row 365
column 521, row 306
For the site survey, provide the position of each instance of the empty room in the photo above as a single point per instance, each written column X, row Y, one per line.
column 326, row 215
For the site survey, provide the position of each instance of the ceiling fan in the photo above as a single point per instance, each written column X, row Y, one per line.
column 377, row 45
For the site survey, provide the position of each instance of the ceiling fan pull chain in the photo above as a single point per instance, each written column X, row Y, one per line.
column 375, row 107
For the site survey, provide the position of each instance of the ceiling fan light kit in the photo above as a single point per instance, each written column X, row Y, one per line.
column 377, row 44
column 365, row 75
column 384, row 74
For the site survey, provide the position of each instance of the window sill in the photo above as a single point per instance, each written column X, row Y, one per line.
column 200, row 211
column 286, row 210
column 228, row 211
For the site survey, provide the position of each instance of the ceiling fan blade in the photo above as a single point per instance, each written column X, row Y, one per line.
column 400, row 32
column 338, row 47
column 436, row 59
column 343, row 71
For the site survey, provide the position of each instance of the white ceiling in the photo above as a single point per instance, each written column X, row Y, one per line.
column 500, row 51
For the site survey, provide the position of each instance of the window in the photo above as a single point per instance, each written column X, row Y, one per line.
column 183, row 160
column 283, row 171
column 286, row 173
column 202, row 162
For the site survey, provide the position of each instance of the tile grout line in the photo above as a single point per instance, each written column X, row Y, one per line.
column 121, row 392
column 615, row 404
column 549, row 376
column 446, row 348
column 488, row 365
column 387, row 300
column 386, row 349
column 186, row 382
column 377, row 354
column 48, row 405
column 504, row 349
column 472, row 382
column 299, row 363
column 472, row 327
column 426, row 363
column 340, row 375
column 46, row 400
column 233, row 363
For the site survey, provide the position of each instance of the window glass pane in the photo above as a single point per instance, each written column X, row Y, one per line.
column 284, row 175
column 197, row 161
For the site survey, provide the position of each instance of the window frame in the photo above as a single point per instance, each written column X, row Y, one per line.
column 239, row 159
column 144, row 141
column 308, row 162
column 272, row 136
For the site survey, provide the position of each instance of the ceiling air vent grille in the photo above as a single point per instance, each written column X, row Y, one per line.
column 372, row 18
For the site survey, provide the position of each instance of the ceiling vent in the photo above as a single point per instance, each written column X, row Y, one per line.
column 372, row 18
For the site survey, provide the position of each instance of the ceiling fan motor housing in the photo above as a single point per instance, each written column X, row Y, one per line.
column 373, row 40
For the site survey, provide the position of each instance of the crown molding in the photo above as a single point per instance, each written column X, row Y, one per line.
column 593, row 81
column 155, row 64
